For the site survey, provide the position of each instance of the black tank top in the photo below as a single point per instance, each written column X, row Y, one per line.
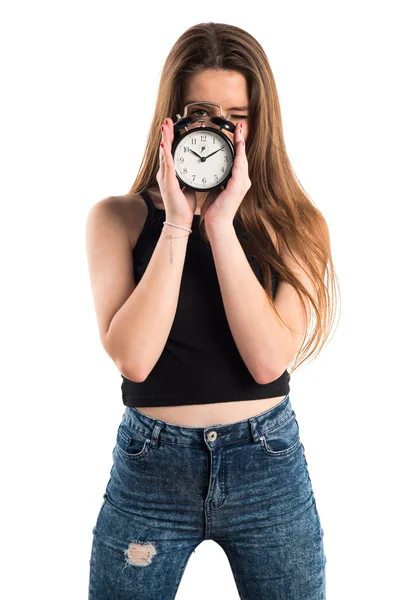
column 200, row 362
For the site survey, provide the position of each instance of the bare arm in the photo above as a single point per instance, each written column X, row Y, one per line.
column 134, row 320
column 265, row 345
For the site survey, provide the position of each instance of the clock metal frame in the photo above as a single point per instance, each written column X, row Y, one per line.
column 222, row 122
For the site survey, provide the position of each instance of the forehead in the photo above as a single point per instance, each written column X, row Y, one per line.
column 227, row 88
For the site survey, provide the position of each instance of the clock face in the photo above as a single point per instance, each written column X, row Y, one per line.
column 203, row 158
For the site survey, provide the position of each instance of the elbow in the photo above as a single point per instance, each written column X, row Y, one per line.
column 133, row 374
column 268, row 376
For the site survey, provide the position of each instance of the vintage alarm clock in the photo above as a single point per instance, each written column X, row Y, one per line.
column 203, row 156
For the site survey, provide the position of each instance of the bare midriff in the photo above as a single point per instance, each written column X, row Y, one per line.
column 207, row 415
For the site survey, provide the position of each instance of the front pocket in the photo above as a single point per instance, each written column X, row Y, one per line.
column 131, row 443
column 283, row 439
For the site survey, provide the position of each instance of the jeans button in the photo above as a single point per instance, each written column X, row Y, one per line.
column 211, row 436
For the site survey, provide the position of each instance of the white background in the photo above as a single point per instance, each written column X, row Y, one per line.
column 79, row 82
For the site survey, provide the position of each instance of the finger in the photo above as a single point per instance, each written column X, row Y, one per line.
column 240, row 160
column 169, row 161
column 168, row 127
column 164, row 137
column 170, row 139
column 162, row 160
column 166, row 156
column 166, row 132
column 239, row 141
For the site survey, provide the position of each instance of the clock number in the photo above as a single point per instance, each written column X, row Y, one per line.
column 194, row 141
column 186, row 149
column 203, row 138
column 181, row 159
column 184, row 170
column 194, row 177
column 225, row 158
column 223, row 169
column 215, row 177
column 204, row 180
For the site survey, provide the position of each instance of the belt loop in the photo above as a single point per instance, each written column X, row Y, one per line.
column 156, row 432
column 253, row 425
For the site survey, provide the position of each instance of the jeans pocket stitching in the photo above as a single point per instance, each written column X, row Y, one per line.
column 287, row 451
column 268, row 450
column 124, row 435
column 143, row 452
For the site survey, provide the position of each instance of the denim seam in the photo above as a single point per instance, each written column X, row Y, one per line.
column 278, row 424
column 133, row 429
column 143, row 452
column 161, row 441
column 269, row 450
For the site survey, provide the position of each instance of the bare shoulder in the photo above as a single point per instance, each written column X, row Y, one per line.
column 129, row 210
column 113, row 225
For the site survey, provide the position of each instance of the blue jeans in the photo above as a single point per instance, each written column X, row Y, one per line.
column 244, row 485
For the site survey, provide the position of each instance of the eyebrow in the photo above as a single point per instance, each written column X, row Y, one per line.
column 228, row 109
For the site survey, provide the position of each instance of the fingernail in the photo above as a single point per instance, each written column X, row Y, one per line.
column 162, row 145
column 166, row 121
column 162, row 127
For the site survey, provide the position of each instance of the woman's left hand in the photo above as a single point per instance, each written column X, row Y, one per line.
column 220, row 210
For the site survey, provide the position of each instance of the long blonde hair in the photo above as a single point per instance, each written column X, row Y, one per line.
column 276, row 196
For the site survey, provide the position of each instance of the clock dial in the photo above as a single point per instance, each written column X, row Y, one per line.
column 203, row 159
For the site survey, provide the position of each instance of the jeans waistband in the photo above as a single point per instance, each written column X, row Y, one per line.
column 215, row 435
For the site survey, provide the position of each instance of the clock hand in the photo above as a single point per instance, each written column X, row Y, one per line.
column 212, row 153
column 198, row 155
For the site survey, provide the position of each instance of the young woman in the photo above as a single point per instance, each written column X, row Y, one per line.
column 203, row 327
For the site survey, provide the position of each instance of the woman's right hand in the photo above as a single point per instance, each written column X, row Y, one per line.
column 180, row 205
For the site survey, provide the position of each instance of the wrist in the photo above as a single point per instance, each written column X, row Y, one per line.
column 178, row 221
column 214, row 229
